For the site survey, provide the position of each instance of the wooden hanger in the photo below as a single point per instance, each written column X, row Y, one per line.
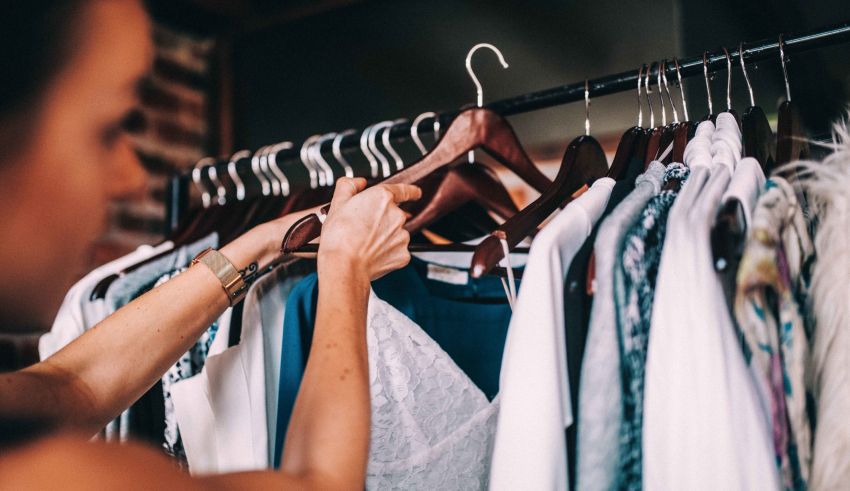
column 758, row 139
column 443, row 193
column 472, row 129
column 583, row 162
column 462, row 184
column 790, row 144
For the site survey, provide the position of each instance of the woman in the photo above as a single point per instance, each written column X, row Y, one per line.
column 67, row 83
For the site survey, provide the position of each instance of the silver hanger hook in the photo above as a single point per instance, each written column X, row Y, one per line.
column 586, row 109
column 649, row 99
column 681, row 89
column 728, row 80
column 280, row 177
column 265, row 166
column 336, row 149
column 478, row 89
column 315, row 154
column 305, row 161
column 707, row 83
column 667, row 90
column 640, row 104
column 206, row 197
column 414, row 129
column 373, row 147
column 385, row 139
column 364, row 147
column 234, row 175
column 265, row 186
column 746, row 75
column 221, row 191
column 661, row 95
column 784, row 68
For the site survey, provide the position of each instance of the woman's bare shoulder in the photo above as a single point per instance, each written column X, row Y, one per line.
column 70, row 462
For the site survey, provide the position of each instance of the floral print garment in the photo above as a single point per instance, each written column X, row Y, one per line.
column 634, row 284
column 771, row 295
column 188, row 365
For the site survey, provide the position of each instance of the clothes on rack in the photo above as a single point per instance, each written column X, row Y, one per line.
column 829, row 368
column 227, row 414
column 599, row 410
column 699, row 397
column 773, row 284
column 532, row 453
column 434, row 371
column 152, row 417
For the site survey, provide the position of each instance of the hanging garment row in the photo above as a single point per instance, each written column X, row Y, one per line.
column 672, row 328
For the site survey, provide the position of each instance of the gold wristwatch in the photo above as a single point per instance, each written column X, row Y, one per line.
column 231, row 279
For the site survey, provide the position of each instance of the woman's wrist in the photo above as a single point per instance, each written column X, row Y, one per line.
column 258, row 245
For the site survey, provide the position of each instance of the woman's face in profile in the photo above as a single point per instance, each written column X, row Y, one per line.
column 55, row 190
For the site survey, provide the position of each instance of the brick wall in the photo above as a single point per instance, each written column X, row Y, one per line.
column 174, row 133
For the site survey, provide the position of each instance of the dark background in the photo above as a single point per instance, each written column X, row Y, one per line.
column 360, row 62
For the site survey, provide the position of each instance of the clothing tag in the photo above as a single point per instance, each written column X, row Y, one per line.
column 447, row 275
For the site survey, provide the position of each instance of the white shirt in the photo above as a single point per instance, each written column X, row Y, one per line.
column 227, row 412
column 704, row 427
column 71, row 321
column 600, row 391
column 530, row 450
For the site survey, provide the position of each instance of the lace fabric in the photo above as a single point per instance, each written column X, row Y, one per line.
column 432, row 427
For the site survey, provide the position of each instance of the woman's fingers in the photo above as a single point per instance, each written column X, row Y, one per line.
column 403, row 192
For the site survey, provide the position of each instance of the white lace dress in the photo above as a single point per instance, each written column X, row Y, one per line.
column 432, row 427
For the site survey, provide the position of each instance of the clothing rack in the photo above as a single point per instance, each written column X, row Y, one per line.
column 178, row 188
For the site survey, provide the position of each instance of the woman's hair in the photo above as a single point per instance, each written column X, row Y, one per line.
column 37, row 36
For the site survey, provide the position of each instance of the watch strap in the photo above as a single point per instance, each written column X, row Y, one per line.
column 231, row 279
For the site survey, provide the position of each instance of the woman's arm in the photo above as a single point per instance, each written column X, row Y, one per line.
column 98, row 375
column 328, row 438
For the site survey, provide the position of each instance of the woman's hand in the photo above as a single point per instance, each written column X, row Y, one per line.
column 364, row 230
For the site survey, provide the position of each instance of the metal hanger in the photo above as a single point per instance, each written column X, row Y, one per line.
column 336, row 149
column 373, row 147
column 364, row 148
column 385, row 139
column 707, row 86
column 479, row 91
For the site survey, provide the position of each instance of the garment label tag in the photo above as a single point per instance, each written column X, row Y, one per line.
column 447, row 275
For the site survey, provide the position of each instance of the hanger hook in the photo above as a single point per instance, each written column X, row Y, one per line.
column 315, row 153
column 364, row 148
column 385, row 139
column 667, row 90
column 586, row 108
column 234, row 175
column 265, row 186
column 315, row 178
column 414, row 129
column 221, row 191
column 649, row 99
column 661, row 94
column 275, row 169
column 373, row 147
column 784, row 68
column 746, row 75
column 206, row 198
column 265, row 166
column 681, row 89
column 478, row 89
column 640, row 104
column 728, row 79
column 337, row 151
column 707, row 83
